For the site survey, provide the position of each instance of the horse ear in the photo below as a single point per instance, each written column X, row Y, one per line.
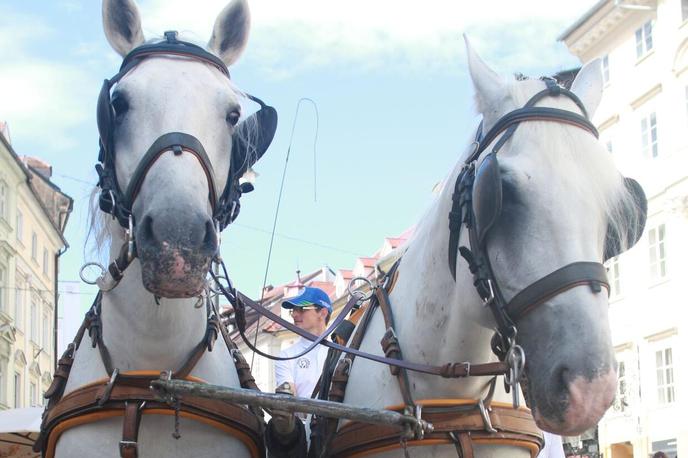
column 230, row 33
column 489, row 86
column 122, row 25
column 588, row 85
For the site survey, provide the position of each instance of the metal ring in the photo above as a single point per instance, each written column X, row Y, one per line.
column 88, row 264
column 357, row 292
column 516, row 358
column 212, row 282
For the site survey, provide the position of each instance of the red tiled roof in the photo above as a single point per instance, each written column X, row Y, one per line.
column 368, row 261
column 347, row 274
column 326, row 286
column 396, row 241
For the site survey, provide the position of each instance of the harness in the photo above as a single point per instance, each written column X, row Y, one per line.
column 128, row 394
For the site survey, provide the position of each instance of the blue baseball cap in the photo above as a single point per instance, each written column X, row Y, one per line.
column 309, row 296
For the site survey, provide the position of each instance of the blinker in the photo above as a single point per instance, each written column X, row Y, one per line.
column 487, row 196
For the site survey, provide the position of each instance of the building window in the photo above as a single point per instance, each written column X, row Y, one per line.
column 19, row 229
column 46, row 333
column 34, row 246
column 643, row 39
column 4, row 289
column 45, row 261
column 34, row 322
column 665, row 376
column 656, row 239
column 33, row 395
column 19, row 304
column 17, row 389
column 614, row 273
column 4, row 204
column 621, row 402
column 648, row 134
column 605, row 69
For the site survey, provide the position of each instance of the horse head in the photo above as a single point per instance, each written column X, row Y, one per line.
column 172, row 144
column 552, row 207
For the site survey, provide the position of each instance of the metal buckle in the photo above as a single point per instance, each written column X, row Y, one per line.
column 108, row 388
column 114, row 202
column 489, row 299
column 362, row 297
column 124, row 445
column 516, row 359
column 130, row 239
column 487, row 423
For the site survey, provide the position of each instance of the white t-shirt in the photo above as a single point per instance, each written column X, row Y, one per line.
column 304, row 371
column 553, row 447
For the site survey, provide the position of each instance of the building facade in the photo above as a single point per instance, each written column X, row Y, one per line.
column 643, row 120
column 33, row 215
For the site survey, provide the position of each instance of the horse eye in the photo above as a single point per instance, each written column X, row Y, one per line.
column 233, row 117
column 119, row 104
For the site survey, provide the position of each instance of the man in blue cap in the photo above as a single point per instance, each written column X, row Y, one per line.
column 311, row 312
column 285, row 435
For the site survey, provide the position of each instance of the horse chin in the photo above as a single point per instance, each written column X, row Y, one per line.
column 580, row 409
column 174, row 273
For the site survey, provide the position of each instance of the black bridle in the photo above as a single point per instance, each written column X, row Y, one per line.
column 476, row 203
column 225, row 205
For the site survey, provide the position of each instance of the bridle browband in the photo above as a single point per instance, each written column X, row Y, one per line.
column 479, row 212
column 225, row 204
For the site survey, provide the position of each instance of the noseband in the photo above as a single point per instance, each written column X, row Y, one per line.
column 476, row 203
column 225, row 206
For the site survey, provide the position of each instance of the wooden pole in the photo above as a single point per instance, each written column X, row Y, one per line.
column 284, row 402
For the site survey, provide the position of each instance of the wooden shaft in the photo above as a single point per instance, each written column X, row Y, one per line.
column 287, row 403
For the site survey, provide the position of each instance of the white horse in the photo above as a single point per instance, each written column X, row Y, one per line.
column 148, row 321
column 560, row 195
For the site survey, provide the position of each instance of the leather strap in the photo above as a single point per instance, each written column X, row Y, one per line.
column 178, row 142
column 128, row 446
column 464, row 421
column 570, row 276
column 390, row 343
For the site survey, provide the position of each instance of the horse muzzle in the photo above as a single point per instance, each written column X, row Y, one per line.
column 175, row 253
column 581, row 408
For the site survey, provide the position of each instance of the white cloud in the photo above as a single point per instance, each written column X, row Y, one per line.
column 298, row 36
column 38, row 94
column 43, row 95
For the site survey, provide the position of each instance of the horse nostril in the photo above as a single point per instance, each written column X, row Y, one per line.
column 210, row 238
column 145, row 230
column 562, row 379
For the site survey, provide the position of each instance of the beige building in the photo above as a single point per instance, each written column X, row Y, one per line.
column 33, row 215
column 643, row 120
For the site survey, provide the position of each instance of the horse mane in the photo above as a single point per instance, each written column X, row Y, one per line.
column 590, row 168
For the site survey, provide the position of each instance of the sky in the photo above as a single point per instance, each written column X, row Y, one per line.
column 394, row 110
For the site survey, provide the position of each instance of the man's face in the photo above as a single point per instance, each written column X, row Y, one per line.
column 310, row 319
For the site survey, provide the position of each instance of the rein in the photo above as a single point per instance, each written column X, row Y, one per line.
column 449, row 370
